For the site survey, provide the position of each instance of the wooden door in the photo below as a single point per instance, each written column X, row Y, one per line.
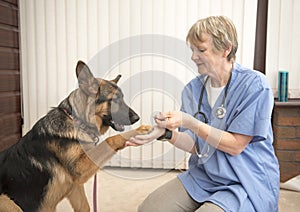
column 10, row 95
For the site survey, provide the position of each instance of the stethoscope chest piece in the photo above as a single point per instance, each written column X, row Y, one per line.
column 220, row 112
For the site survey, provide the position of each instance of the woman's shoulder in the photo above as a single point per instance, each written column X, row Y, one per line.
column 195, row 82
column 252, row 76
column 246, row 71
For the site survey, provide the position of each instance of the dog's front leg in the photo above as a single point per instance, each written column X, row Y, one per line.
column 78, row 199
column 97, row 156
column 6, row 204
column 117, row 142
column 101, row 153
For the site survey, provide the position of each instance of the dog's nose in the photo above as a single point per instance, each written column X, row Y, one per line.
column 133, row 116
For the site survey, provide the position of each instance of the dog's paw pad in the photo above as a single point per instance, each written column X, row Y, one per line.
column 144, row 129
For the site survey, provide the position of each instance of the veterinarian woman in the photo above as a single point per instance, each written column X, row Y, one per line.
column 225, row 122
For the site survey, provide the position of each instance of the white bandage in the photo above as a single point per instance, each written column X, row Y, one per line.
column 99, row 154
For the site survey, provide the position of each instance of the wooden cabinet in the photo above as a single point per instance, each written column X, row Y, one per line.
column 286, row 126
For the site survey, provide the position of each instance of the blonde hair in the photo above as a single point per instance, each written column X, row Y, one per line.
column 222, row 31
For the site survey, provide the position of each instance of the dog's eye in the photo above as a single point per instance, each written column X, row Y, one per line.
column 116, row 100
column 101, row 99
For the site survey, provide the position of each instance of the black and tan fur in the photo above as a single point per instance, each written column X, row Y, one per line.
column 57, row 156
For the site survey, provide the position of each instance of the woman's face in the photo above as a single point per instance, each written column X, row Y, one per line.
column 206, row 57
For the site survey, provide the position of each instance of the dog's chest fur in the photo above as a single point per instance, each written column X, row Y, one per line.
column 43, row 162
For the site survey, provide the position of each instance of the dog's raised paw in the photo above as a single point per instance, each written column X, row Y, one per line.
column 144, row 129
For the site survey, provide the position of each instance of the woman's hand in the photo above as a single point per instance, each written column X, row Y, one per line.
column 143, row 139
column 175, row 119
column 170, row 120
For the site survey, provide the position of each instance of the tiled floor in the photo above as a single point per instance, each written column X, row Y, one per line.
column 124, row 189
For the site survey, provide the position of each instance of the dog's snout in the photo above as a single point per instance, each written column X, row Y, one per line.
column 133, row 116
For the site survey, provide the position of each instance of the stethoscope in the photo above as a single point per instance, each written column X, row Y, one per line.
column 220, row 111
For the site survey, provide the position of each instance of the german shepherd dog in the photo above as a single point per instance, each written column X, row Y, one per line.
column 59, row 154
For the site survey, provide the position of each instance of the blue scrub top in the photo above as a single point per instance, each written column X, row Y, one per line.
column 250, row 180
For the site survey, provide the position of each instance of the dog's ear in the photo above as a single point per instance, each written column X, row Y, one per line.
column 87, row 82
column 116, row 80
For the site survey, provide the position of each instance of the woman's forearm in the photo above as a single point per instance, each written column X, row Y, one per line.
column 231, row 143
column 183, row 141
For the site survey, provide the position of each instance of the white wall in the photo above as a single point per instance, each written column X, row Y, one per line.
column 283, row 43
column 57, row 33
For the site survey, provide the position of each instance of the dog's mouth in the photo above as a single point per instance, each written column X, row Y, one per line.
column 118, row 123
column 116, row 126
column 108, row 121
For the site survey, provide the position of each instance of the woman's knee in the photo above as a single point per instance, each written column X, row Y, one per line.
column 158, row 200
column 172, row 196
column 209, row 207
column 150, row 204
